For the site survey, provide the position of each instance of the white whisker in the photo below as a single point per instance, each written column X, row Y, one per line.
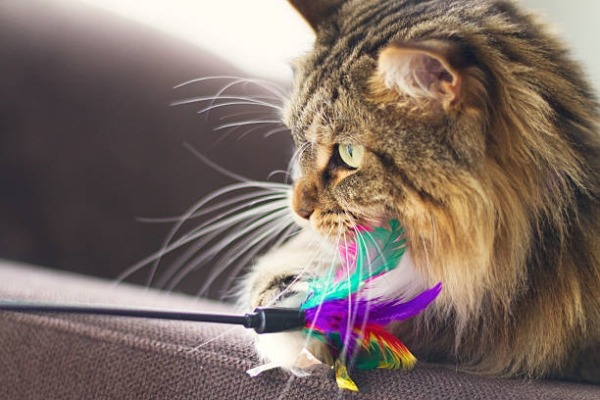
column 295, row 157
column 231, row 100
column 258, row 197
column 218, row 223
column 224, row 98
column 228, row 86
column 240, row 254
column 238, row 103
column 213, row 165
column 248, row 123
column 237, row 80
column 238, row 221
column 169, row 246
column 280, row 233
column 263, row 128
column 213, row 339
column 277, row 190
column 206, row 232
column 270, row 132
column 278, row 172
column 256, row 223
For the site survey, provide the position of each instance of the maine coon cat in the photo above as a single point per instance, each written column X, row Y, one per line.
column 467, row 121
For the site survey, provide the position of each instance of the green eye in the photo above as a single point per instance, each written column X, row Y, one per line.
column 351, row 155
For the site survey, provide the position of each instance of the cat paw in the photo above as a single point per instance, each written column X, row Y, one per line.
column 294, row 352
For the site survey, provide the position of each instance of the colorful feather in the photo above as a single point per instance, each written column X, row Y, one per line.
column 340, row 314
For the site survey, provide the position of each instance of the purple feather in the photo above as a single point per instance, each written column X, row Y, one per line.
column 350, row 316
column 383, row 312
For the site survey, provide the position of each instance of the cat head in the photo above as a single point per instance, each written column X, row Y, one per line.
column 457, row 120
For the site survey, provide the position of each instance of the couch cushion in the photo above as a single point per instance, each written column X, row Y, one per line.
column 89, row 357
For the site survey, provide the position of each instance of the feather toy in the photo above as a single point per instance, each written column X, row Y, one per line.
column 338, row 309
column 339, row 312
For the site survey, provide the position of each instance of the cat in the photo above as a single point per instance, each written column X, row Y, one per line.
column 467, row 121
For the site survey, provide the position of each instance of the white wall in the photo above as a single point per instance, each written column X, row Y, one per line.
column 259, row 36
column 262, row 36
column 577, row 22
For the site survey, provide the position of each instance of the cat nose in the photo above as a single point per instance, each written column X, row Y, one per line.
column 304, row 213
column 304, row 199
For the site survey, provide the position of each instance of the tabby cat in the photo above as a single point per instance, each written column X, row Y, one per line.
column 467, row 121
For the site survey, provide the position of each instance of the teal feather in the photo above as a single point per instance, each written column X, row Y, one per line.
column 389, row 246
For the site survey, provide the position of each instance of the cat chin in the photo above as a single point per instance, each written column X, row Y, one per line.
column 404, row 281
column 311, row 225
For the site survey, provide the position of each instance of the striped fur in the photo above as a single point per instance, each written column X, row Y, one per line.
column 499, row 191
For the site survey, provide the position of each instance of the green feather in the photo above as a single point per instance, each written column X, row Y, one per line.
column 378, row 251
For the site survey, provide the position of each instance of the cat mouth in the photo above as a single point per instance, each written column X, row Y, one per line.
column 336, row 222
column 330, row 223
column 339, row 223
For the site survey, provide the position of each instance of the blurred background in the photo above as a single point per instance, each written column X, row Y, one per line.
column 262, row 36
column 89, row 141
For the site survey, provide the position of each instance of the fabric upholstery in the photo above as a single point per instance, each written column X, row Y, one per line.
column 90, row 357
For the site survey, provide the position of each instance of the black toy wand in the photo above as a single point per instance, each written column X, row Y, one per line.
column 262, row 320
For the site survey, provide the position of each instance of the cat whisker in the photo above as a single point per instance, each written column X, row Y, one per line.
column 372, row 259
column 268, row 192
column 214, row 339
column 286, row 174
column 269, row 86
column 292, row 165
column 228, row 258
column 206, row 233
column 193, row 213
column 280, row 235
column 255, row 124
column 170, row 245
column 240, row 102
column 239, row 255
column 274, row 131
column 272, row 192
column 272, row 119
column 216, row 166
column 184, row 258
column 286, row 388
column 218, row 224
column 232, row 100
column 220, row 100
column 256, row 197
column 350, row 321
column 248, row 123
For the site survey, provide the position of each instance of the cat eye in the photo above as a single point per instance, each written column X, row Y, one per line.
column 351, row 155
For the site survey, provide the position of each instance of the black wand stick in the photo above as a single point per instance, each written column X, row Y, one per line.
column 262, row 320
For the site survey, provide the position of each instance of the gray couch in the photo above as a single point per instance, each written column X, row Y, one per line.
column 88, row 143
column 85, row 357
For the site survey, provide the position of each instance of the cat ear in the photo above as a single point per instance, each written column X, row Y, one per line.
column 421, row 70
column 315, row 11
